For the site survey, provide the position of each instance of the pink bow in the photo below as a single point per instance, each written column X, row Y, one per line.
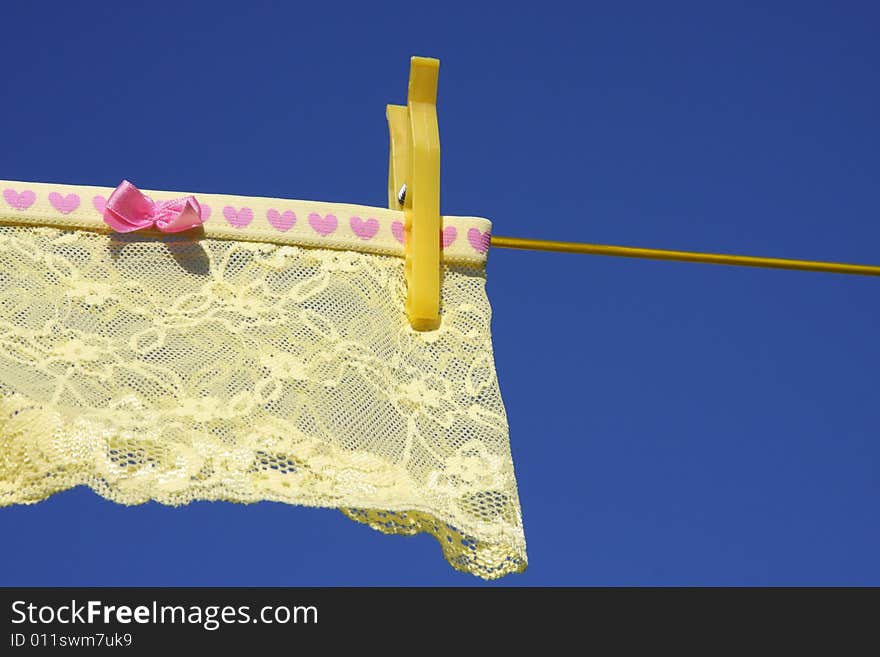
column 130, row 209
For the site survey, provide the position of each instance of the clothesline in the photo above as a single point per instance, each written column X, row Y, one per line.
column 683, row 256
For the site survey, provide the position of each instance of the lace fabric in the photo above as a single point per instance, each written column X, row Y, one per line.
column 248, row 367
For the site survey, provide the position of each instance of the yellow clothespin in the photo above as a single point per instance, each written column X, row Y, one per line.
column 414, row 185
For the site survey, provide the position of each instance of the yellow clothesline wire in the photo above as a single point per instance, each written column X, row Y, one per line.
column 683, row 256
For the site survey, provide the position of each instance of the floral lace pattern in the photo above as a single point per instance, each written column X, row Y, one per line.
column 174, row 369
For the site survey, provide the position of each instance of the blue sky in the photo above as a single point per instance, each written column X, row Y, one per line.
column 670, row 423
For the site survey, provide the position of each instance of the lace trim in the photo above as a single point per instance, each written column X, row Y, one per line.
column 361, row 228
column 119, row 466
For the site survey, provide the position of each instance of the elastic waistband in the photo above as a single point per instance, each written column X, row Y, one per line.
column 464, row 240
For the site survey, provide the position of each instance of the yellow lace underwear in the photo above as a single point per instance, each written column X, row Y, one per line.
column 266, row 356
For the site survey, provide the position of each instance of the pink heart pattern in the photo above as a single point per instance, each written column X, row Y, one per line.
column 19, row 200
column 281, row 221
column 448, row 236
column 397, row 231
column 323, row 225
column 364, row 228
column 238, row 218
column 479, row 239
column 100, row 204
column 64, row 204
